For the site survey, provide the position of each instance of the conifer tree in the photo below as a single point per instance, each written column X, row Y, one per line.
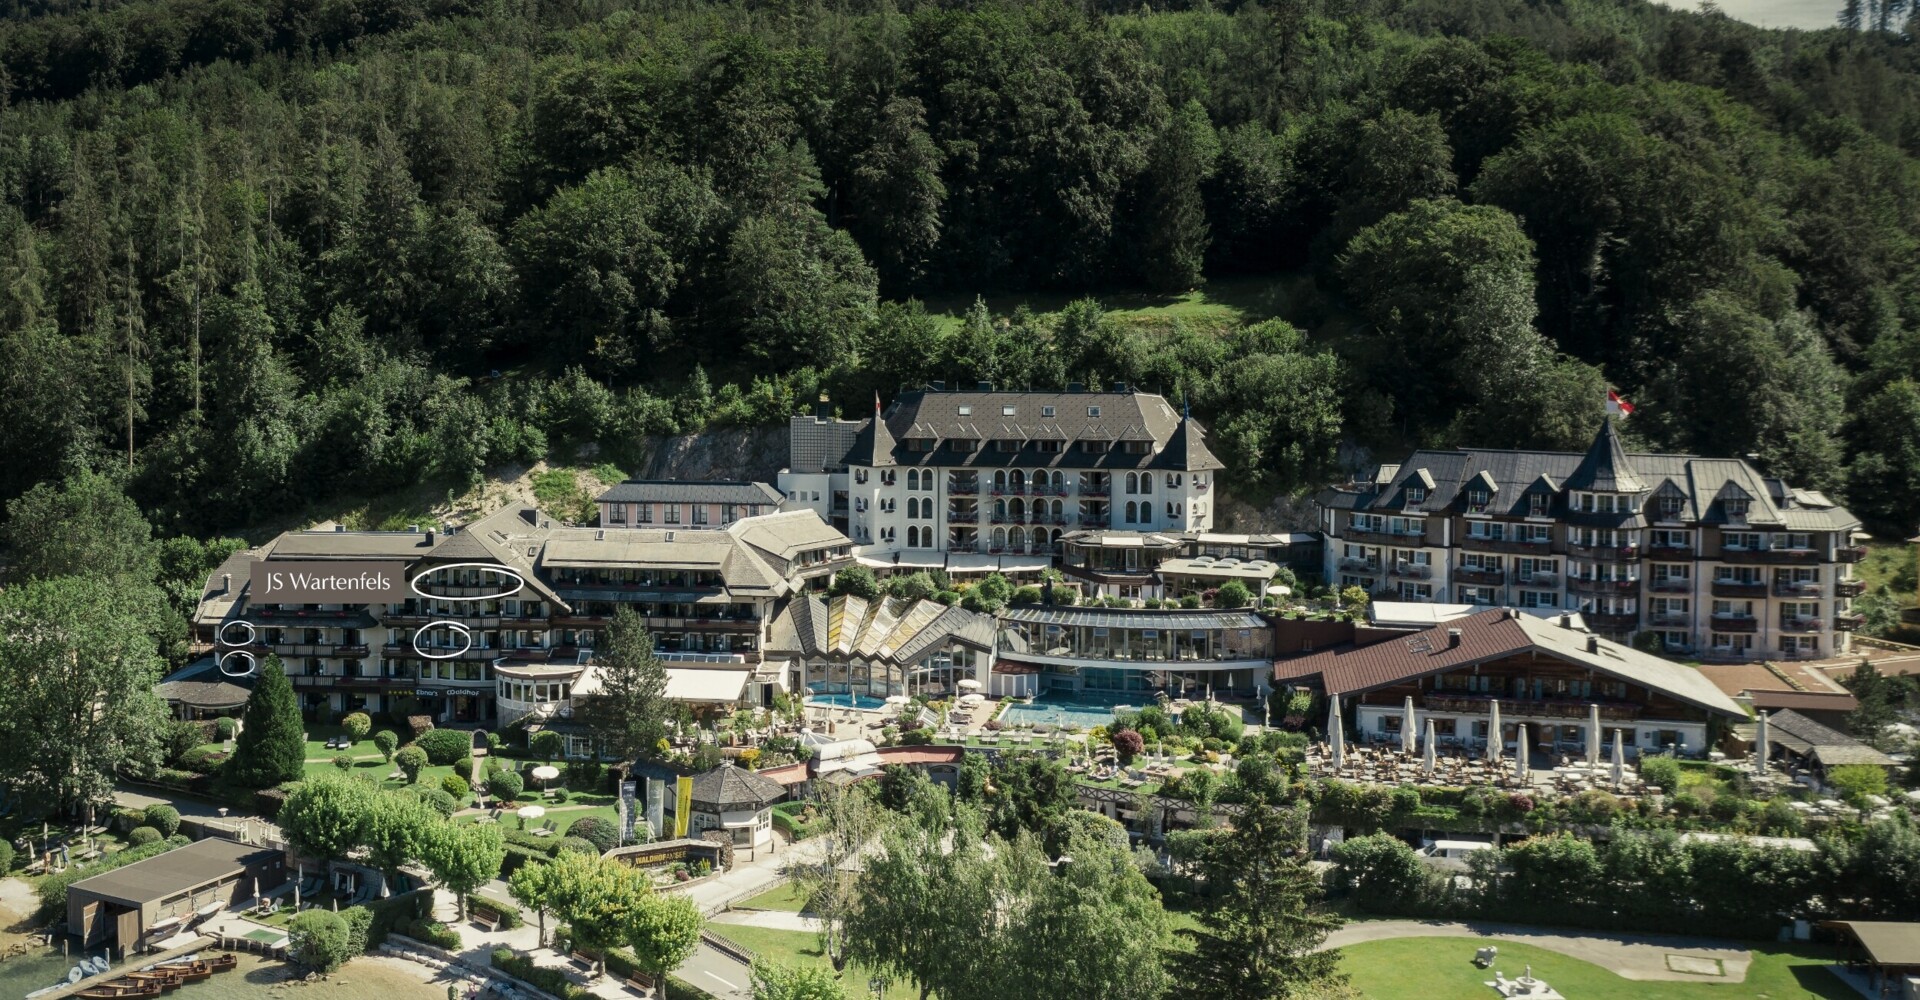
column 271, row 747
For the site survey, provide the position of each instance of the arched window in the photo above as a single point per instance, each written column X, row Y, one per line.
column 1040, row 478
column 1000, row 509
column 999, row 479
column 1057, row 515
column 1016, row 480
column 913, row 537
column 1017, row 539
column 1053, row 539
column 1173, row 510
column 999, row 538
column 913, row 507
column 1017, row 509
column 913, row 479
column 1146, row 483
column 1132, row 508
column 1133, row 486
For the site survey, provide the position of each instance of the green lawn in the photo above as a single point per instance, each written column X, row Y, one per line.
column 1220, row 305
column 803, row 948
column 786, row 896
column 1443, row 969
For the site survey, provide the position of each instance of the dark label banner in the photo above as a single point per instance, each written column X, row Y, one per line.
column 328, row 581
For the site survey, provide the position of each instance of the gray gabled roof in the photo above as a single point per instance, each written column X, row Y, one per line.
column 1605, row 468
column 688, row 491
column 982, row 416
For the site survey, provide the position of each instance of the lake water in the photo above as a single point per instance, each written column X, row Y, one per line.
column 1809, row 14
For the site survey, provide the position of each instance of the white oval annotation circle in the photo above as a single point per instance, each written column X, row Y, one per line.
column 464, row 632
column 519, row 581
column 243, row 623
column 222, row 659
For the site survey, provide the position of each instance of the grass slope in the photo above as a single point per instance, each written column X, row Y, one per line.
column 1443, row 969
column 803, row 949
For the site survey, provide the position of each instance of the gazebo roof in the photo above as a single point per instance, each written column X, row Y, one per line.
column 728, row 787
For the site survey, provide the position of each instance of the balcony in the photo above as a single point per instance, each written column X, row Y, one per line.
column 1587, row 585
column 1849, row 588
column 1472, row 704
column 1734, row 623
column 1093, row 489
column 1360, row 565
column 1770, row 556
column 1672, row 585
column 1669, row 550
column 1537, row 580
column 1481, row 543
column 1412, row 571
column 1612, row 621
column 1850, row 553
column 1848, row 621
column 1797, row 588
column 1358, row 532
column 1606, row 553
column 1803, row 625
column 1670, row 619
column 1480, row 577
column 1739, row 588
column 963, row 487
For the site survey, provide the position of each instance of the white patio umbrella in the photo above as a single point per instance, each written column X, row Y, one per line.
column 1619, row 761
column 529, row 812
column 1760, row 748
column 1407, row 734
column 1520, row 755
column 1336, row 737
column 1494, row 743
column 898, row 699
column 545, row 773
column 1593, row 735
column 969, row 684
column 1427, row 763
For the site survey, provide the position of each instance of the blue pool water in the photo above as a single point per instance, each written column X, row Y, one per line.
column 1060, row 711
column 865, row 703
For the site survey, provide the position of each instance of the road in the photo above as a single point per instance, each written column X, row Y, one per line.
column 718, row 973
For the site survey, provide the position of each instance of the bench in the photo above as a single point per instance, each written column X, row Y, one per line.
column 639, row 982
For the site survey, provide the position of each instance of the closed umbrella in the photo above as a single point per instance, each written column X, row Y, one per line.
column 1336, row 736
column 1520, row 755
column 1619, row 761
column 1760, row 748
column 1593, row 735
column 1427, row 764
column 1494, row 743
column 1407, row 734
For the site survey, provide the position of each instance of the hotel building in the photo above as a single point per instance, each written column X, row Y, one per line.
column 1709, row 556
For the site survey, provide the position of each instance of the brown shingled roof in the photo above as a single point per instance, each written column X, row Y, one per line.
column 1488, row 635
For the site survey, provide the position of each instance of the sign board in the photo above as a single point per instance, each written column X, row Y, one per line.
column 327, row 581
column 656, row 807
column 683, row 806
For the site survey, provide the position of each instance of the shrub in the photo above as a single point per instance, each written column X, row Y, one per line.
column 546, row 744
column 457, row 787
column 343, row 762
column 1190, row 601
column 559, row 795
column 551, row 981
column 604, row 836
column 1661, row 771
column 163, row 818
column 142, row 836
column 1027, row 595
column 1520, row 802
column 359, row 920
column 434, row 933
column 386, row 741
column 1857, row 781
column 202, row 760
column 223, row 728
column 411, row 759
column 319, row 940
column 127, row 819
column 446, row 746
column 436, row 799
column 578, row 845
column 1128, row 744
column 357, row 725
column 505, row 786
column 493, row 742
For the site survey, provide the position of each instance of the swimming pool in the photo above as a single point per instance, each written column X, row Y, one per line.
column 1059, row 711
column 865, row 703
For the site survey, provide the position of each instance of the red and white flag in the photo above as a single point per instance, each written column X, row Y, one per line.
column 1618, row 407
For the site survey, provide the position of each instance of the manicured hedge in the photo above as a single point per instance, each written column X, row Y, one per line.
column 551, row 980
column 446, row 746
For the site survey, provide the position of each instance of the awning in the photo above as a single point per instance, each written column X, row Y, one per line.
column 714, row 685
column 976, row 562
column 903, row 561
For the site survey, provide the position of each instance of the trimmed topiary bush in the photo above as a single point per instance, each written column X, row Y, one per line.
column 505, row 786
column 319, row 940
column 601, row 834
column 446, row 746
column 457, row 787
column 143, row 835
column 163, row 818
column 436, row 799
column 387, row 742
column 576, row 845
column 343, row 762
column 411, row 759
column 223, row 728
column 357, row 725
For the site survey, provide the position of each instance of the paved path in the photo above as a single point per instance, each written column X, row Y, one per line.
column 1631, row 956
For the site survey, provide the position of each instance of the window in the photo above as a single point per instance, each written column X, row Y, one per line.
column 1173, row 510
column 700, row 513
column 673, row 513
column 1736, row 508
column 1046, row 411
column 1477, row 499
column 1133, row 485
column 1093, row 411
column 1006, row 445
column 1740, row 541
column 617, row 513
column 1416, row 495
column 1136, row 447
column 645, row 512
column 966, row 411
column 1095, row 447
column 1007, row 410
column 1050, row 446
column 1671, row 506
column 1537, row 504
column 919, row 444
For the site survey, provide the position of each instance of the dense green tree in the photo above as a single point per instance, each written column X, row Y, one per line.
column 628, row 715
column 663, row 934
column 322, row 818
column 271, row 747
column 83, row 526
column 1175, row 234
column 856, row 580
column 1885, row 474
column 794, row 289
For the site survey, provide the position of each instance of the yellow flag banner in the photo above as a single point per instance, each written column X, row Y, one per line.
column 683, row 806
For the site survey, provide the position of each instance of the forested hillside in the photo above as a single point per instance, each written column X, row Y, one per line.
column 257, row 253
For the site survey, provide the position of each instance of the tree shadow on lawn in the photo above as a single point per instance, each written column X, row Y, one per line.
column 1819, row 982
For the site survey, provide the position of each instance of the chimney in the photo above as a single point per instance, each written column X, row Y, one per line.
column 226, row 583
column 430, row 534
column 1453, row 637
column 1593, row 644
column 823, row 408
column 1566, row 621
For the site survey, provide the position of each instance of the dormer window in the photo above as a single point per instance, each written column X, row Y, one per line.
column 1095, row 447
column 920, row 444
column 1671, row 506
column 1537, row 504
column 1093, row 411
column 1477, row 500
column 1007, row 411
column 1416, row 495
column 1006, row 444
column 966, row 411
column 1136, row 447
column 1736, row 508
column 964, row 444
column 1046, row 411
